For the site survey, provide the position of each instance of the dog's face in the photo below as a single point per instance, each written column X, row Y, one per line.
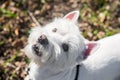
column 58, row 44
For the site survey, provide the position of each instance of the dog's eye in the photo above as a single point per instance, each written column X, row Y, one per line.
column 54, row 30
column 65, row 47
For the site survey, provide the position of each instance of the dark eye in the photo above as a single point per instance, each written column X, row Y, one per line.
column 65, row 47
column 54, row 30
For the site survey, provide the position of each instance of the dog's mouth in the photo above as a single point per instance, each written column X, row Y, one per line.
column 36, row 50
column 41, row 44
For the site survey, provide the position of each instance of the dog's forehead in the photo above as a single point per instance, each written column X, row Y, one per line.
column 58, row 29
column 61, row 26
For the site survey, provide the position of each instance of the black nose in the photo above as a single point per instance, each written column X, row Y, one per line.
column 43, row 40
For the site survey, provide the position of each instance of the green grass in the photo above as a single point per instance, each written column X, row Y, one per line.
column 100, row 19
column 10, row 59
column 7, row 13
column 2, row 42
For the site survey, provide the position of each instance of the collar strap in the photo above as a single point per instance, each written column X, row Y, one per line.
column 77, row 72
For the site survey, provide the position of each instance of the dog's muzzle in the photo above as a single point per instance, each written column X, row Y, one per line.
column 42, row 40
column 36, row 50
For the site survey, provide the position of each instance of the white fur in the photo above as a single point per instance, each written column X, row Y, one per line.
column 56, row 64
column 104, row 63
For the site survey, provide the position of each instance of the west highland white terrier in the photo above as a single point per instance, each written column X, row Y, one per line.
column 58, row 51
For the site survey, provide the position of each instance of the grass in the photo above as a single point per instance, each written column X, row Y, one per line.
column 2, row 42
column 100, row 19
column 10, row 59
column 7, row 13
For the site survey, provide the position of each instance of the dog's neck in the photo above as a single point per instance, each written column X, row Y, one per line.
column 48, row 74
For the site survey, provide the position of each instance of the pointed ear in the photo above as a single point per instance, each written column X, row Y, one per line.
column 72, row 16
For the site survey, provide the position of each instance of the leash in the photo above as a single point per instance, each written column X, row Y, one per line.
column 86, row 54
column 77, row 72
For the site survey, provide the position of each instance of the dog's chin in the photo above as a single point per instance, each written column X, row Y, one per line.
column 43, row 56
column 30, row 54
column 46, row 57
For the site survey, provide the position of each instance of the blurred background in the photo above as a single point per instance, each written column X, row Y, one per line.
column 98, row 19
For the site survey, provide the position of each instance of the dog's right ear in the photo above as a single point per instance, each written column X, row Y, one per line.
column 72, row 16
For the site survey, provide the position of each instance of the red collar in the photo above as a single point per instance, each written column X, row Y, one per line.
column 89, row 49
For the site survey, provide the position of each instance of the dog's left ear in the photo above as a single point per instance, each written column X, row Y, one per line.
column 91, row 48
column 72, row 16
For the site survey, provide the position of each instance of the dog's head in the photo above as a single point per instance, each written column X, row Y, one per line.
column 58, row 44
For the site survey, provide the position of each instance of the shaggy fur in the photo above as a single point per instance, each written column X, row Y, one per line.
column 58, row 47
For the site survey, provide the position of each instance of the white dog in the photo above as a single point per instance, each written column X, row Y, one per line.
column 57, row 48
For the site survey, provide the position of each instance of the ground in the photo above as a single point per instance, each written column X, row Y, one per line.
column 98, row 19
